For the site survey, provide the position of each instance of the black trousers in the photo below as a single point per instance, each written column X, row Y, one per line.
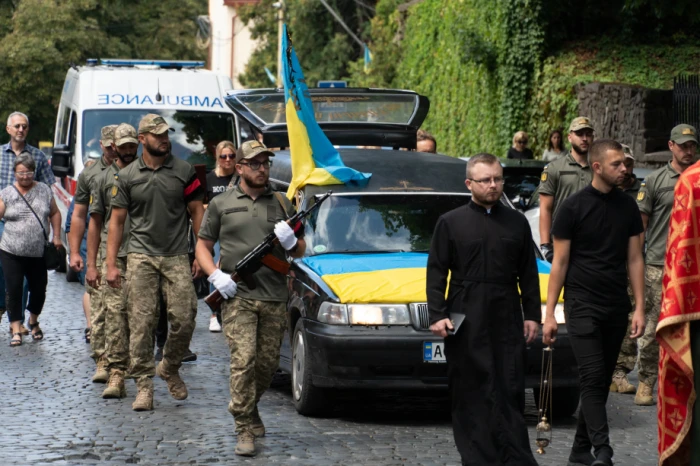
column 596, row 333
column 16, row 269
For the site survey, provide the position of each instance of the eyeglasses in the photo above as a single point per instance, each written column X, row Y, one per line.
column 20, row 125
column 227, row 156
column 488, row 181
column 256, row 165
column 24, row 174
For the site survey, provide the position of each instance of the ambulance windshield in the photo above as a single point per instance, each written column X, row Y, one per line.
column 194, row 140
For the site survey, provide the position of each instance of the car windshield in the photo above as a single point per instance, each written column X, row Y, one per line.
column 194, row 140
column 377, row 223
column 521, row 183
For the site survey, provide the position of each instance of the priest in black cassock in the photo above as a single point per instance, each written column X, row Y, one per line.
column 488, row 252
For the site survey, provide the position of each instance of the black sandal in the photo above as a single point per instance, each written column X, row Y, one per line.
column 14, row 342
column 38, row 335
column 87, row 335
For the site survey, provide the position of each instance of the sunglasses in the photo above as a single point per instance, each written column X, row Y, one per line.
column 227, row 156
column 23, row 126
column 522, row 141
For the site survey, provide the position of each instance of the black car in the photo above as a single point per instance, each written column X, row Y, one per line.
column 357, row 311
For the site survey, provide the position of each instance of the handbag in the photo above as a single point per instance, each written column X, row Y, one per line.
column 52, row 257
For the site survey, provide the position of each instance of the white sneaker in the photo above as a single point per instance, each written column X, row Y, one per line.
column 214, row 325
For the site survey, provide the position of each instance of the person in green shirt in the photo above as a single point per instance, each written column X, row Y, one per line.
column 156, row 191
column 254, row 319
column 75, row 237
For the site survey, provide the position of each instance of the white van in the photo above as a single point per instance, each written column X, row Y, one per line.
column 107, row 92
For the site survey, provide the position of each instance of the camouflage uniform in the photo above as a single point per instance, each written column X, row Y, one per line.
column 648, row 346
column 116, row 320
column 145, row 275
column 628, row 351
column 97, row 317
column 254, row 331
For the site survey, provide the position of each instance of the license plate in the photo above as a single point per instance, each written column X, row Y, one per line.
column 434, row 351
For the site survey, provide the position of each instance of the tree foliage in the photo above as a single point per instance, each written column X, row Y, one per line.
column 39, row 40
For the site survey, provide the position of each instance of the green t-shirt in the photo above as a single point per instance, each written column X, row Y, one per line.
column 100, row 203
column 85, row 179
column 240, row 223
column 562, row 178
column 655, row 199
column 633, row 190
column 156, row 201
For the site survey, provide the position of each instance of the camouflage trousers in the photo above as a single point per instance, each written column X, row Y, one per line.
column 645, row 350
column 97, row 317
column 147, row 276
column 254, row 331
column 628, row 351
column 116, row 320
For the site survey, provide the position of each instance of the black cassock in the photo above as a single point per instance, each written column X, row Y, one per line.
column 488, row 256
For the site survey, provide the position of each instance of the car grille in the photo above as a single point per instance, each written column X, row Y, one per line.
column 419, row 316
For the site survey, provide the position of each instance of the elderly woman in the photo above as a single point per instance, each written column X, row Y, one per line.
column 217, row 182
column 27, row 206
column 520, row 149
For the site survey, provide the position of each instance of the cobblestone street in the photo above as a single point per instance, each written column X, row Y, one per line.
column 53, row 414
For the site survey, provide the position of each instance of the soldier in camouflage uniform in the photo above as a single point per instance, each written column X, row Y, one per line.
column 655, row 201
column 75, row 237
column 114, row 299
column 156, row 191
column 253, row 320
column 628, row 352
column 562, row 178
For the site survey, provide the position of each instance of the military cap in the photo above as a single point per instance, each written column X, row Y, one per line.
column 683, row 133
column 153, row 123
column 124, row 134
column 627, row 151
column 580, row 123
column 107, row 135
column 250, row 149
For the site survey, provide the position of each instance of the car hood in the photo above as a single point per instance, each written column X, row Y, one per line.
column 384, row 278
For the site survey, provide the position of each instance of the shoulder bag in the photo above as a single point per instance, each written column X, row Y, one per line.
column 52, row 257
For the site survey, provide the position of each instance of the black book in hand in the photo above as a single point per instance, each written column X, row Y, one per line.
column 456, row 318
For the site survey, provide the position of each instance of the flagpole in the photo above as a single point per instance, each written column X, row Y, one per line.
column 280, row 23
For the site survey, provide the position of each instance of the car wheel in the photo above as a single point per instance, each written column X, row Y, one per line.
column 308, row 400
column 564, row 401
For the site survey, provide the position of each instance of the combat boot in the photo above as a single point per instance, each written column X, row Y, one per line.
column 246, row 444
column 144, row 400
column 621, row 384
column 115, row 387
column 644, row 395
column 176, row 386
column 257, row 427
column 102, row 371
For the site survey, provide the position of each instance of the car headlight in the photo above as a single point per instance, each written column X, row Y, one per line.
column 558, row 313
column 378, row 314
column 333, row 313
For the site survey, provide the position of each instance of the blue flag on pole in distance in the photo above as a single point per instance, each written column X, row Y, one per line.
column 314, row 160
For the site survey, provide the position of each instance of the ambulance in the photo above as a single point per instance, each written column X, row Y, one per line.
column 109, row 91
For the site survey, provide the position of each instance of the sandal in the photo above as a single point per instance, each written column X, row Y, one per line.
column 15, row 342
column 22, row 329
column 87, row 335
column 38, row 335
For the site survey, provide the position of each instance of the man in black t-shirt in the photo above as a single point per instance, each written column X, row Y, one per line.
column 597, row 243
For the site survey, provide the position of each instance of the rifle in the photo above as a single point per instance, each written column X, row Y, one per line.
column 262, row 255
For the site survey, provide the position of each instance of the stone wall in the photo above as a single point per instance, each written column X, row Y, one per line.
column 639, row 117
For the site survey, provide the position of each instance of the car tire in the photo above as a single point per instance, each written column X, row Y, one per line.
column 564, row 401
column 308, row 400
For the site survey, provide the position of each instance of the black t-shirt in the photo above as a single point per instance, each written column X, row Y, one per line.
column 513, row 153
column 599, row 226
column 216, row 184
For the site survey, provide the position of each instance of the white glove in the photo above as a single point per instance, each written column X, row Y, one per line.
column 223, row 282
column 285, row 234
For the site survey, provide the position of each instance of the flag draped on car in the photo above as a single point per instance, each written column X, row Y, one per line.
column 314, row 159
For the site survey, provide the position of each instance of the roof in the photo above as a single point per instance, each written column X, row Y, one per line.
column 393, row 171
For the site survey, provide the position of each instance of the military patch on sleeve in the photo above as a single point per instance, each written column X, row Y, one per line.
column 90, row 199
column 115, row 190
column 544, row 176
column 640, row 195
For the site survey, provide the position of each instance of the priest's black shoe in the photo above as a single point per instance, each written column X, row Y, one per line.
column 603, row 457
column 580, row 458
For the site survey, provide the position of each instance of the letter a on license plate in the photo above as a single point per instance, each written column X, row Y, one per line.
column 433, row 351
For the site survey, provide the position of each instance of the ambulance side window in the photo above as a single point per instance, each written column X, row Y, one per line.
column 73, row 132
column 63, row 122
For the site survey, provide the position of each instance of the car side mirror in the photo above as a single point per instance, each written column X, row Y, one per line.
column 522, row 203
column 62, row 161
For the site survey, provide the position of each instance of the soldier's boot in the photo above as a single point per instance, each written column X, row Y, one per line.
column 257, row 427
column 176, row 386
column 116, row 387
column 644, row 395
column 246, row 444
column 621, row 384
column 144, row 400
column 102, row 371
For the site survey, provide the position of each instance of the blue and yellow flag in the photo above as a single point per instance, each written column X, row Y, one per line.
column 314, row 159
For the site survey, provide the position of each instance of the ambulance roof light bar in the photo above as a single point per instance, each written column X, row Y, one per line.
column 169, row 64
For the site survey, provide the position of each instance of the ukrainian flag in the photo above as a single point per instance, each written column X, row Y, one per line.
column 314, row 159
